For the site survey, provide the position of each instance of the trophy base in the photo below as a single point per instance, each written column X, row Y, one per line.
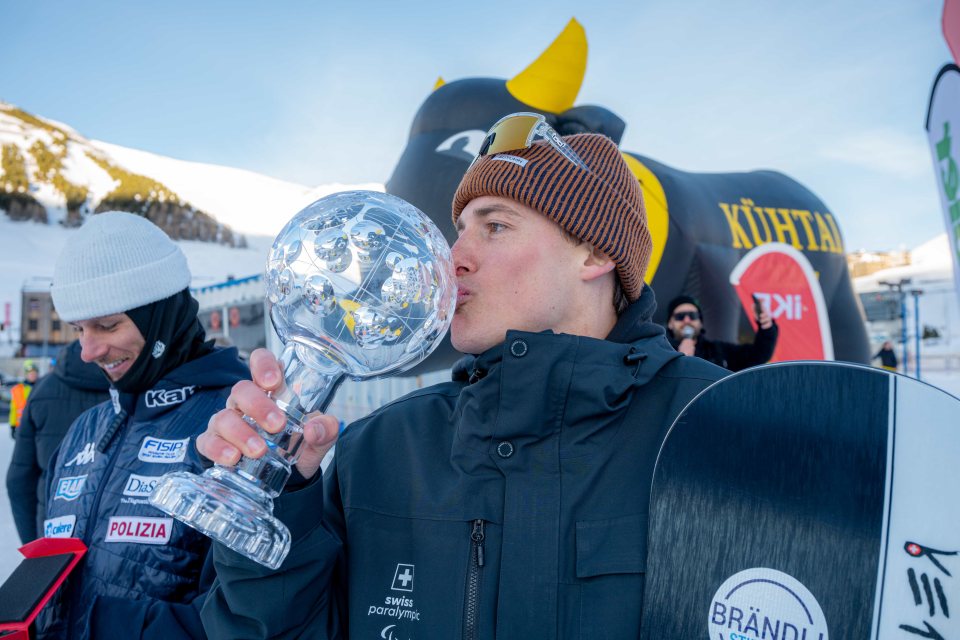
column 228, row 509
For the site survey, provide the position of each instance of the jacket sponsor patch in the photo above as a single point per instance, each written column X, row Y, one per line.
column 140, row 486
column 70, row 488
column 139, row 530
column 163, row 451
column 167, row 397
column 61, row 527
column 84, row 456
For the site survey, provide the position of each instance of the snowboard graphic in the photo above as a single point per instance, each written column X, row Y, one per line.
column 807, row 501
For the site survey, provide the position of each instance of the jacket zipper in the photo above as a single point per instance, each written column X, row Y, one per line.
column 118, row 422
column 472, row 596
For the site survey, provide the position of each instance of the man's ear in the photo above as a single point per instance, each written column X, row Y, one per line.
column 596, row 264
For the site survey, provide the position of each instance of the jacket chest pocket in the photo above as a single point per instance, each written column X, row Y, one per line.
column 611, row 562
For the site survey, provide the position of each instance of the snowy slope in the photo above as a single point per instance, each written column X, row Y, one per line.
column 254, row 205
column 247, row 202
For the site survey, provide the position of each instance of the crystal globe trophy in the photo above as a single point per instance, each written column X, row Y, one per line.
column 360, row 285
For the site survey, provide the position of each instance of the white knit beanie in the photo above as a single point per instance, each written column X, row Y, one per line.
column 117, row 261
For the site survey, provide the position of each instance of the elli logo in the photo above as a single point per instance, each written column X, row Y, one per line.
column 70, row 488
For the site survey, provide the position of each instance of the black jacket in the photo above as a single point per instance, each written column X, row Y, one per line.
column 737, row 357
column 511, row 502
column 55, row 402
column 887, row 358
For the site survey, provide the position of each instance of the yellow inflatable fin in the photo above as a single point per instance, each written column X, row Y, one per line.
column 551, row 83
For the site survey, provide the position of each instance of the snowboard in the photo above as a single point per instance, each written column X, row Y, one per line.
column 807, row 501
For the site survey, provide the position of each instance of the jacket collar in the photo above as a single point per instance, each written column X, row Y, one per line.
column 645, row 348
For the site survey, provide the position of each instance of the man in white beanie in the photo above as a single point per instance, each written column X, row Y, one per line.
column 124, row 285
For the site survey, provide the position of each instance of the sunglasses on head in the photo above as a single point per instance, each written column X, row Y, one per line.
column 519, row 131
column 680, row 316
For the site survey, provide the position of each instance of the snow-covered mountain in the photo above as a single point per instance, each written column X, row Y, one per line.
column 52, row 178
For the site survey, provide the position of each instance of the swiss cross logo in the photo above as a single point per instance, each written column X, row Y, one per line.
column 403, row 578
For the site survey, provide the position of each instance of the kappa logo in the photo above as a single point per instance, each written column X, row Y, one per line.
column 85, row 456
column 167, row 397
column 403, row 578
column 70, row 488
column 61, row 527
column 158, row 349
column 139, row 530
column 163, row 451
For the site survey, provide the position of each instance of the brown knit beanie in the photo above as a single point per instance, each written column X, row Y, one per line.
column 602, row 206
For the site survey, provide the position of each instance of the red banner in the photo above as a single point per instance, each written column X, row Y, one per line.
column 784, row 282
column 951, row 27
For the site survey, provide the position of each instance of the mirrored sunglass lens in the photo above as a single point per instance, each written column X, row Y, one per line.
column 510, row 134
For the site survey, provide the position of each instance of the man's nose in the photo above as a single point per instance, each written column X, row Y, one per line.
column 461, row 254
column 92, row 349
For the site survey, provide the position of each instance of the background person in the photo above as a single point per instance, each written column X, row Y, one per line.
column 888, row 357
column 19, row 394
column 686, row 329
column 123, row 284
column 512, row 501
column 57, row 399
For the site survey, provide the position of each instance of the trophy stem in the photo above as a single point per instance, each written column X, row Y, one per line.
column 306, row 389
column 234, row 506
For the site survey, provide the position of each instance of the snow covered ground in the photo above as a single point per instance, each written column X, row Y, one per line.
column 948, row 380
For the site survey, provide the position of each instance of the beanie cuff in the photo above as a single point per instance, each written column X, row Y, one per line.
column 121, row 291
column 602, row 205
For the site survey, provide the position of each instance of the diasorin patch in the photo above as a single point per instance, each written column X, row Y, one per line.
column 139, row 530
column 140, row 486
column 163, row 451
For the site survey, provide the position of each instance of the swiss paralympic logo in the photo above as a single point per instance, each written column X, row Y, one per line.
column 765, row 604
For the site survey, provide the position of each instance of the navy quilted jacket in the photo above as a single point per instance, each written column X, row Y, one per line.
column 142, row 576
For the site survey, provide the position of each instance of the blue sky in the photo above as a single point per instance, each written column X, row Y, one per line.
column 832, row 93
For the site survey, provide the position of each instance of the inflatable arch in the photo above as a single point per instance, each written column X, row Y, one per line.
column 720, row 237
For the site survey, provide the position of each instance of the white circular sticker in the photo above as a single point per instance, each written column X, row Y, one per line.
column 763, row 604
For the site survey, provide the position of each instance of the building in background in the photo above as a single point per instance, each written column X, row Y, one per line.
column 863, row 263
column 233, row 312
column 42, row 333
column 928, row 270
